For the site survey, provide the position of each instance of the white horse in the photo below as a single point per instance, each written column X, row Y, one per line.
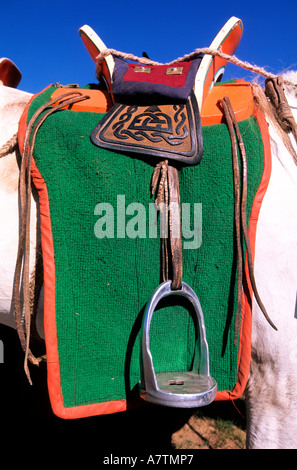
column 271, row 393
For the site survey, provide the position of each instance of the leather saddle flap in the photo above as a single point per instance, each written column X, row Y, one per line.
column 171, row 131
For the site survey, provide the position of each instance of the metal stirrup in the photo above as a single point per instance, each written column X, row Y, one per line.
column 177, row 389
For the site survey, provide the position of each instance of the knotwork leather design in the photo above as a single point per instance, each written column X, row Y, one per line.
column 171, row 131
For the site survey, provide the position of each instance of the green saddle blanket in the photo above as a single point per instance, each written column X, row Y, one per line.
column 101, row 253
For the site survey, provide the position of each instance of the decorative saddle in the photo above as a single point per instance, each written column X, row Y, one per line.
column 97, row 291
column 156, row 115
column 167, row 126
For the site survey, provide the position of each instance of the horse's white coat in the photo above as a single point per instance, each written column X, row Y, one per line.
column 271, row 394
column 272, row 387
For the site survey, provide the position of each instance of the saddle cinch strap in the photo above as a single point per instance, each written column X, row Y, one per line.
column 169, row 129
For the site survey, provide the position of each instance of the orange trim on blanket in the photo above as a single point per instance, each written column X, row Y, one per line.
column 244, row 352
column 50, row 328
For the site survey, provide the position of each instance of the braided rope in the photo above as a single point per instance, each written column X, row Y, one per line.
column 10, row 146
column 204, row 50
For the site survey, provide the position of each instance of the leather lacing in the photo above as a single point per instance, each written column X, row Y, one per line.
column 168, row 202
column 240, row 213
column 22, row 275
column 168, row 190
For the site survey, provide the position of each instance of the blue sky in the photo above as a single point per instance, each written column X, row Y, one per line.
column 42, row 37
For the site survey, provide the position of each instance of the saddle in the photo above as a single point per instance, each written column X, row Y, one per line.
column 156, row 114
column 134, row 146
column 171, row 131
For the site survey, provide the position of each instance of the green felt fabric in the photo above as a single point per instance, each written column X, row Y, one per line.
column 102, row 285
